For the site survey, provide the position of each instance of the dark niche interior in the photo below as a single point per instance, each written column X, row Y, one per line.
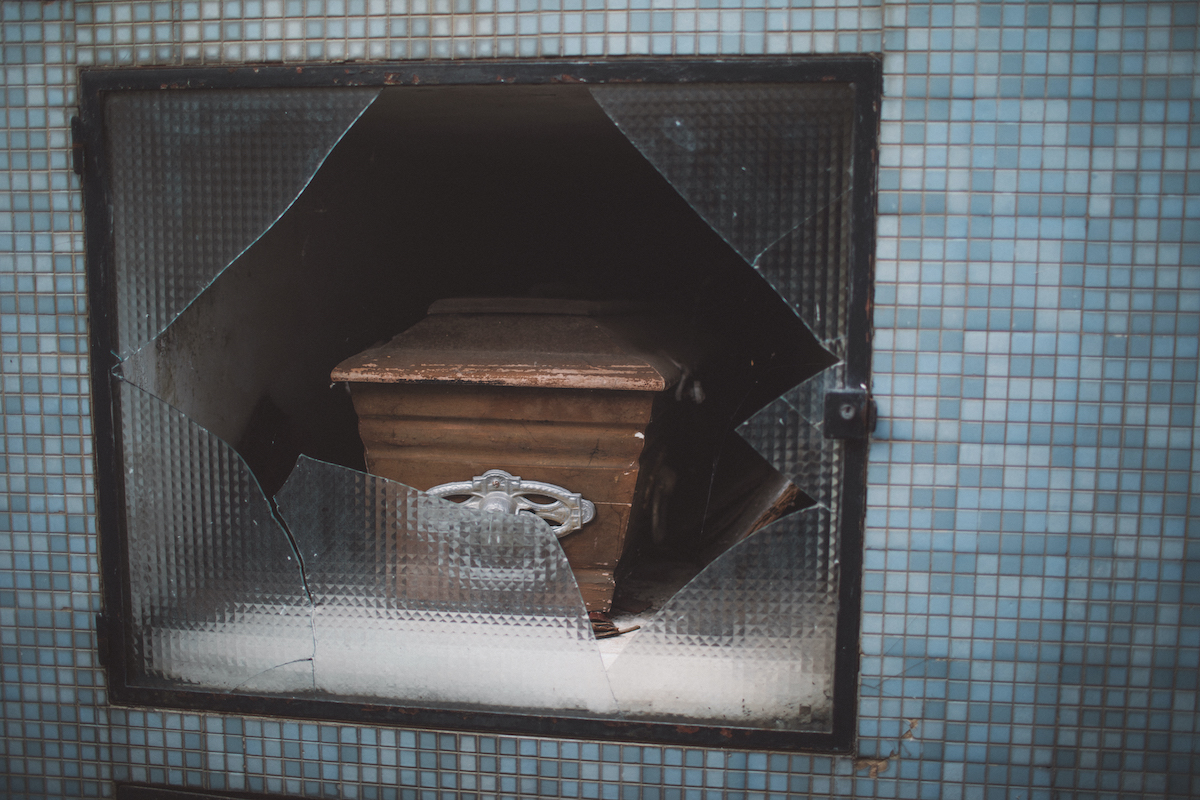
column 493, row 191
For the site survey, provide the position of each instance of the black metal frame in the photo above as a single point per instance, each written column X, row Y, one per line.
column 865, row 72
column 147, row 791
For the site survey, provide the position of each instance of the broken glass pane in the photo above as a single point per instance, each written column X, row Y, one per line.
column 421, row 600
column 750, row 641
column 216, row 592
column 197, row 176
column 405, row 599
column 768, row 166
column 415, row 599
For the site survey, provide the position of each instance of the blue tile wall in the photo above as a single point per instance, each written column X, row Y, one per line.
column 1032, row 624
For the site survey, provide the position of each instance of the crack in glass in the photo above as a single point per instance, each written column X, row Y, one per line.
column 768, row 166
column 392, row 595
column 216, row 589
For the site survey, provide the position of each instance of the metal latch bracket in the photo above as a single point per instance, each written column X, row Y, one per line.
column 849, row 414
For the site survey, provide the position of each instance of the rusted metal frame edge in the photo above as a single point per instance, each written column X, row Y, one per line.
column 847, row 658
column 739, row 69
column 128, row 790
column 863, row 71
column 109, row 484
column 501, row 723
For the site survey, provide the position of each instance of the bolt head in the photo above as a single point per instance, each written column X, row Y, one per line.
column 499, row 503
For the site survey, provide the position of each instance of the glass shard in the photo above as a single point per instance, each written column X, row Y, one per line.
column 798, row 449
column 789, row 434
column 423, row 601
column 808, row 397
column 197, row 176
column 768, row 166
column 216, row 591
column 750, row 641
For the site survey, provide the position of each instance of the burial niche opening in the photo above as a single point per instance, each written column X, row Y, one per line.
column 262, row 238
column 503, row 192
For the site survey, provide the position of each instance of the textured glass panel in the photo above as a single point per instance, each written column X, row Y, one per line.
column 422, row 600
column 768, row 166
column 798, row 449
column 749, row 641
column 789, row 434
column 217, row 595
column 809, row 266
column 197, row 176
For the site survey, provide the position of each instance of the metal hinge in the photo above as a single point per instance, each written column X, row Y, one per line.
column 849, row 414
column 77, row 146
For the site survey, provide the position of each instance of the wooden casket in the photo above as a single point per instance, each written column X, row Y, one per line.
column 558, row 394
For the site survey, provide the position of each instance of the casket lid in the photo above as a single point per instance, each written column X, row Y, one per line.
column 534, row 342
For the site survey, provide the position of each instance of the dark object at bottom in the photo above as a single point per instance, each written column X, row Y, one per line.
column 603, row 627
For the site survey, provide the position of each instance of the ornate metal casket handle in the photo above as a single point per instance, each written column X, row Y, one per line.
column 497, row 490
